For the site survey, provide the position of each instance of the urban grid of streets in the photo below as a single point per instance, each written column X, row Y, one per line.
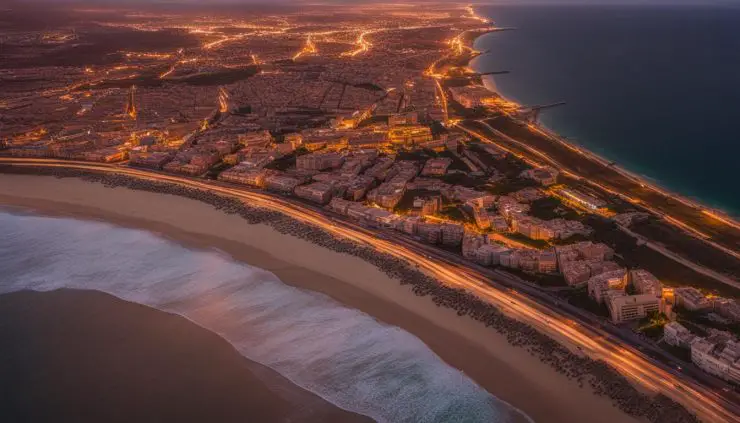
column 319, row 72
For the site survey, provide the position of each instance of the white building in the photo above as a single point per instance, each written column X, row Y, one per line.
column 719, row 356
column 600, row 285
column 490, row 254
column 727, row 308
column 645, row 283
column 691, row 299
column 677, row 335
column 630, row 307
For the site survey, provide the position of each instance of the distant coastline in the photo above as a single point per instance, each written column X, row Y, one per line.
column 644, row 179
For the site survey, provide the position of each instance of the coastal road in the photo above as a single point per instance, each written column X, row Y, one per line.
column 549, row 161
column 707, row 403
column 675, row 257
column 539, row 158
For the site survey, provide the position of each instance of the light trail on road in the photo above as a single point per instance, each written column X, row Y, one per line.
column 551, row 162
column 704, row 402
column 308, row 48
column 362, row 45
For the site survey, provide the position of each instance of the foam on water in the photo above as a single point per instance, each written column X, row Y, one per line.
column 340, row 354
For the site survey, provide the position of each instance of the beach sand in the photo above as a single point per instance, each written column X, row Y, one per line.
column 86, row 356
column 508, row 372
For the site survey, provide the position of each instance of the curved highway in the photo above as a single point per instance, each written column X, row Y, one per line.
column 711, row 405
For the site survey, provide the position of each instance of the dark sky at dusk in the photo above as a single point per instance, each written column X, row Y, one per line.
column 493, row 2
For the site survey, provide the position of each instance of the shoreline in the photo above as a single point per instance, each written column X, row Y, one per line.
column 136, row 363
column 716, row 213
column 463, row 342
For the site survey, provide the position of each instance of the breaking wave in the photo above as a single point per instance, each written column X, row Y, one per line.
column 341, row 354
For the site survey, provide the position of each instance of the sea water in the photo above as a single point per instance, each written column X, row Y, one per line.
column 341, row 354
column 654, row 88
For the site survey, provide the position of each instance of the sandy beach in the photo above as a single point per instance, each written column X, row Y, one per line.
column 86, row 356
column 507, row 372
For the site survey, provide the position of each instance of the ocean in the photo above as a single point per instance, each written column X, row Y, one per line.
column 654, row 88
column 341, row 354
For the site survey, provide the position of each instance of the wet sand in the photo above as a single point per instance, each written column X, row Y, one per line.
column 507, row 372
column 86, row 356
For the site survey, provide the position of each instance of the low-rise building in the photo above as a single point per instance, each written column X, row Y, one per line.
column 452, row 234
column 153, row 160
column 340, row 205
column 631, row 307
column 482, row 218
column 600, row 285
column 294, row 139
column 281, row 182
column 509, row 207
column 409, row 224
column 426, row 205
column 244, row 175
column 319, row 161
column 528, row 195
column 318, row 192
column 645, row 283
column 357, row 187
column 576, row 273
column 718, row 355
column 429, row 232
column 677, row 335
column 691, row 299
column 409, row 118
column 544, row 175
column 255, row 139
column 547, row 262
column 410, row 134
column 490, row 254
column 106, row 155
column 387, row 195
column 471, row 96
column 583, row 251
column 436, row 167
column 471, row 243
column 499, row 224
column 539, row 229
column 727, row 308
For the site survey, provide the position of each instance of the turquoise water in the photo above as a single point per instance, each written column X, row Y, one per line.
column 654, row 88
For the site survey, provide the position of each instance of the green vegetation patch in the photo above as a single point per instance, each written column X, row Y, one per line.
column 669, row 272
column 287, row 161
column 687, row 246
column 652, row 325
column 455, row 213
column 549, row 208
column 534, row 243
column 579, row 298
column 507, row 186
column 464, row 180
column 457, row 164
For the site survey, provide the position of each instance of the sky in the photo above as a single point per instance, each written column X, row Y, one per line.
column 477, row 2
column 480, row 2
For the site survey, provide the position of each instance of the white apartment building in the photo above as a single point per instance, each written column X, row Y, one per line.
column 630, row 307
column 718, row 356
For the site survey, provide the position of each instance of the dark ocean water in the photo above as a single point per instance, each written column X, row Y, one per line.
column 655, row 88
